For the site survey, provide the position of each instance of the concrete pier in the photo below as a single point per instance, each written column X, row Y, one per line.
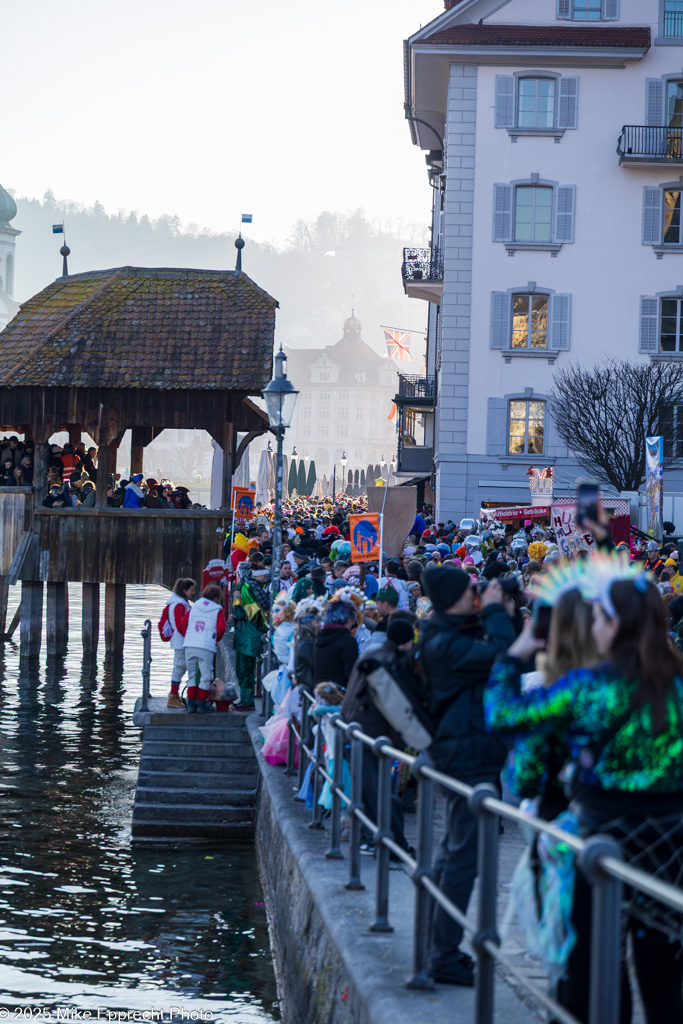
column 57, row 624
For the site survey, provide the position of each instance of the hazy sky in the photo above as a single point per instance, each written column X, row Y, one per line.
column 213, row 108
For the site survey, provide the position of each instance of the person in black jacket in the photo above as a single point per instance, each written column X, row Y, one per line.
column 335, row 650
column 457, row 649
column 358, row 706
column 307, row 618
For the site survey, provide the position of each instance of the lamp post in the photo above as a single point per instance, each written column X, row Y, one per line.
column 280, row 397
column 382, row 466
column 344, row 460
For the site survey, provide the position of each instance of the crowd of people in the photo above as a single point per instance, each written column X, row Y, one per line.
column 586, row 723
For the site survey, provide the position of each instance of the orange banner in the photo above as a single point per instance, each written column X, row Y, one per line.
column 243, row 502
column 364, row 531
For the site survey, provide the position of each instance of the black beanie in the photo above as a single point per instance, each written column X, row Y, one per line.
column 444, row 586
column 400, row 631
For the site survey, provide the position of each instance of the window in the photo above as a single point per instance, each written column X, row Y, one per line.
column 672, row 27
column 324, row 414
column 536, row 103
column 307, row 432
column 343, row 431
column 670, row 329
column 671, row 428
column 672, row 218
column 533, row 213
column 359, row 376
column 530, row 321
column 588, row 10
column 526, row 427
column 662, row 216
column 307, row 412
column 324, row 396
column 343, row 414
column 360, row 414
column 661, row 326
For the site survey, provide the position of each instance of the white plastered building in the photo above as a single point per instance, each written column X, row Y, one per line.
column 553, row 131
column 8, row 235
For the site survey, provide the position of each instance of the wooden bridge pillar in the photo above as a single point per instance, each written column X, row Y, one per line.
column 114, row 618
column 31, row 625
column 91, row 618
column 140, row 438
column 4, row 594
column 57, row 618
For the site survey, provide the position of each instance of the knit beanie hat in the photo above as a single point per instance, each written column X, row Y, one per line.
column 400, row 631
column 444, row 586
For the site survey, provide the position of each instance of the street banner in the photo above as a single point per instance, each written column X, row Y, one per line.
column 523, row 512
column 570, row 538
column 364, row 531
column 243, row 502
column 654, row 484
column 398, row 505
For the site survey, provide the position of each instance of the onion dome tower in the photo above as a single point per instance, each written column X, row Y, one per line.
column 8, row 234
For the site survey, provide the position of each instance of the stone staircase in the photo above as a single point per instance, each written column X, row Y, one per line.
column 198, row 778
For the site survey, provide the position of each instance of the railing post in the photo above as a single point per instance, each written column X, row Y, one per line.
column 423, row 900
column 291, row 748
column 487, row 873
column 305, row 737
column 606, row 924
column 354, row 881
column 381, row 923
column 316, row 821
column 334, row 853
column 146, row 635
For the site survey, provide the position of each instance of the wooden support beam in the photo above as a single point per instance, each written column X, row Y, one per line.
column 114, row 618
column 13, row 624
column 31, row 618
column 74, row 434
column 57, row 618
column 140, row 438
column 91, row 618
column 40, row 457
column 227, row 443
column 103, row 471
column 4, row 594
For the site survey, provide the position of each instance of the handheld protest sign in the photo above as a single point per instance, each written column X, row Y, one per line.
column 364, row 531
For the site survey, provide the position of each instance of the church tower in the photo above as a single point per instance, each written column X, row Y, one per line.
column 8, row 234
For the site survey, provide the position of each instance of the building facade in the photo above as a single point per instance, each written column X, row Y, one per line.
column 553, row 131
column 346, row 392
column 8, row 235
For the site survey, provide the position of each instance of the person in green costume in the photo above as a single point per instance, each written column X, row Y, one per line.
column 250, row 610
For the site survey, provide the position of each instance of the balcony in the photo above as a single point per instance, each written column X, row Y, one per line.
column 415, row 391
column 647, row 146
column 423, row 274
column 416, row 460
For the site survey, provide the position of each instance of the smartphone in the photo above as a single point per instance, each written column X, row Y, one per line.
column 587, row 500
column 541, row 616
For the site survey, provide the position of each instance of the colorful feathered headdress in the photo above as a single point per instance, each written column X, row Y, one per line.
column 604, row 569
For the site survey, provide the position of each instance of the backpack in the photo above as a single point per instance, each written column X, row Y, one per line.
column 164, row 626
column 397, row 700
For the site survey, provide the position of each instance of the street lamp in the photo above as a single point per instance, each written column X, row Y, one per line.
column 344, row 460
column 382, row 466
column 294, row 452
column 280, row 397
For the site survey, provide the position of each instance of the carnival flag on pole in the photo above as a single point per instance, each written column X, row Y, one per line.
column 57, row 229
column 247, row 218
column 243, row 502
column 654, row 486
column 392, row 415
column 398, row 344
column 364, row 537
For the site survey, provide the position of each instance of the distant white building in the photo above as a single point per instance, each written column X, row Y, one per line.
column 557, row 231
column 8, row 234
column 346, row 393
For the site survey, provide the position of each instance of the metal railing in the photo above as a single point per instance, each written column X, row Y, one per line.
column 412, row 386
column 599, row 858
column 648, row 142
column 422, row 265
column 146, row 635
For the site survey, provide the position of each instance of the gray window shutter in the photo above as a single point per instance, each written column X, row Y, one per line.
column 502, row 213
column 501, row 306
column 564, row 9
column 611, row 10
column 567, row 112
column 505, row 101
column 555, row 446
column 653, row 214
column 565, row 206
column 649, row 324
column 559, row 312
column 654, row 107
column 496, row 427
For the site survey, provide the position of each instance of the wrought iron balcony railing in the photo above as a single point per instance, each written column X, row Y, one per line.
column 646, row 142
column 673, row 24
column 422, row 265
column 415, row 387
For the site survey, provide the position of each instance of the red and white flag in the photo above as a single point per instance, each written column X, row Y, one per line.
column 398, row 344
column 392, row 415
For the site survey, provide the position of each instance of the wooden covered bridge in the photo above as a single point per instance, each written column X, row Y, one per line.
column 99, row 353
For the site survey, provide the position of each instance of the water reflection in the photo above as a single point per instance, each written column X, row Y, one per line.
column 85, row 921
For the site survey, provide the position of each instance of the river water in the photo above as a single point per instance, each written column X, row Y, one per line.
column 89, row 927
